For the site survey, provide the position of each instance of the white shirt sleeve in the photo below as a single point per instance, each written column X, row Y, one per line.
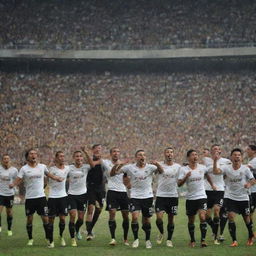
column 21, row 173
column 182, row 173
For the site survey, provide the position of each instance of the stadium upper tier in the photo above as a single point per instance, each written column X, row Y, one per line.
column 55, row 111
column 146, row 24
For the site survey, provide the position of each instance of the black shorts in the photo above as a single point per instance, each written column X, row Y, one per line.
column 193, row 206
column 38, row 205
column 6, row 201
column 167, row 204
column 143, row 205
column 214, row 198
column 117, row 200
column 252, row 202
column 96, row 196
column 77, row 202
column 57, row 206
column 239, row 207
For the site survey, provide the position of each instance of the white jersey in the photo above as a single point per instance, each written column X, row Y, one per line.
column 77, row 179
column 33, row 178
column 167, row 181
column 141, row 180
column 235, row 181
column 217, row 179
column 7, row 176
column 252, row 166
column 195, row 182
column 58, row 189
column 207, row 161
column 115, row 182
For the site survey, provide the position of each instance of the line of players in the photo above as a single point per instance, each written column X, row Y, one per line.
column 225, row 191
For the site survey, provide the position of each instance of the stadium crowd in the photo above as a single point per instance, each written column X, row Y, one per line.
column 54, row 111
column 126, row 24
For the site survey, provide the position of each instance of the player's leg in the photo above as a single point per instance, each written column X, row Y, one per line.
column 160, row 226
column 191, row 211
column 216, row 222
column 232, row 227
column 171, row 210
column 9, row 216
column 1, row 209
column 72, row 210
column 203, row 226
column 147, row 212
column 125, row 225
column 79, row 223
column 170, row 229
column 223, row 219
column 245, row 211
column 62, row 224
column 135, row 224
column 29, row 227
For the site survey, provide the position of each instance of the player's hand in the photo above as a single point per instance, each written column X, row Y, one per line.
column 214, row 187
column 59, row 179
column 11, row 185
column 83, row 148
column 247, row 185
column 188, row 174
column 154, row 162
column 216, row 155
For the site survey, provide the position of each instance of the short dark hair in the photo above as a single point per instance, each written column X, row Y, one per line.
column 215, row 145
column 138, row 151
column 168, row 148
column 190, row 152
column 58, row 152
column 95, row 145
column 5, row 154
column 236, row 150
column 28, row 151
column 77, row 151
column 112, row 149
column 252, row 147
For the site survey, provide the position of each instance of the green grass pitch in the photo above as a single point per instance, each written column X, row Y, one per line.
column 16, row 245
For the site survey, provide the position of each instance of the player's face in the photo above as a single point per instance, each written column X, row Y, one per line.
column 236, row 157
column 6, row 160
column 215, row 150
column 60, row 158
column 32, row 156
column 168, row 154
column 193, row 157
column 250, row 152
column 141, row 157
column 97, row 151
column 115, row 154
column 78, row 158
column 206, row 153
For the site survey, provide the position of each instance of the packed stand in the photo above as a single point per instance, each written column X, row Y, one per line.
column 84, row 25
column 187, row 110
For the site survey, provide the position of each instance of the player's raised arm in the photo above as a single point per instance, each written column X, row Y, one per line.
column 159, row 166
column 88, row 158
column 215, row 169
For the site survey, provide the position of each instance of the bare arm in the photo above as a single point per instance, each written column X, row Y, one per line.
column 159, row 166
column 16, row 182
column 209, row 179
column 116, row 169
column 88, row 158
column 182, row 181
column 54, row 177
column 215, row 169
